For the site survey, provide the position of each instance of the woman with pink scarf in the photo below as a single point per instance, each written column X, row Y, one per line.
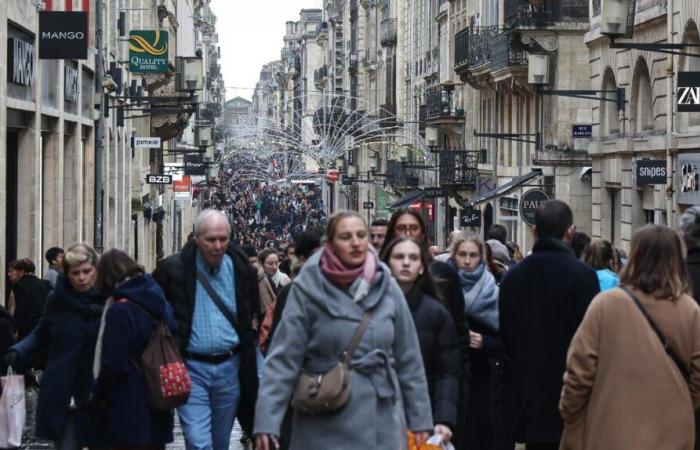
column 326, row 304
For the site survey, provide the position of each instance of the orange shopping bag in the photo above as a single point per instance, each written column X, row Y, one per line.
column 412, row 443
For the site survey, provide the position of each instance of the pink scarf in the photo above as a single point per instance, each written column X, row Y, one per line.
column 335, row 270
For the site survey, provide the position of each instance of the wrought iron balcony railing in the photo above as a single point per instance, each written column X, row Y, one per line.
column 459, row 168
column 473, row 47
column 400, row 177
column 505, row 54
column 543, row 12
column 438, row 100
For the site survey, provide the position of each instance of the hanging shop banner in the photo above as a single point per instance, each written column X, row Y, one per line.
column 146, row 142
column 433, row 192
column 182, row 185
column 63, row 35
column 194, row 165
column 471, row 217
column 650, row 171
column 148, row 51
column 688, row 176
column 688, row 94
column 529, row 203
column 20, row 55
column 159, row 179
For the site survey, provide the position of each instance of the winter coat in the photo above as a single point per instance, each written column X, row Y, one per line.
column 441, row 354
column 127, row 331
column 389, row 390
column 693, row 264
column 541, row 304
column 621, row 389
column 177, row 276
column 68, row 328
column 30, row 299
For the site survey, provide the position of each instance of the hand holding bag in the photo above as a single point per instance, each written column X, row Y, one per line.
column 12, row 410
column 320, row 393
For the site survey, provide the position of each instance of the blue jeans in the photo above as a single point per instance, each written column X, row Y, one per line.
column 207, row 417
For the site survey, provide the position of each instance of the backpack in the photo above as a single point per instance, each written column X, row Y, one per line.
column 168, row 384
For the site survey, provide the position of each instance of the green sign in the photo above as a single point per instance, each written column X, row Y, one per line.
column 148, row 51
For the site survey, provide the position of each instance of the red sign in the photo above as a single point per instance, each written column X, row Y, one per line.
column 182, row 185
column 332, row 175
column 428, row 206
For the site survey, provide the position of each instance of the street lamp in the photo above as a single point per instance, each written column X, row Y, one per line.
column 615, row 17
column 538, row 68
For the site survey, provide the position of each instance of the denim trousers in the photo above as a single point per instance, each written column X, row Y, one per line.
column 207, row 417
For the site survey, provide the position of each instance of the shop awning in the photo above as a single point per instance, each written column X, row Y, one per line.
column 504, row 189
column 407, row 199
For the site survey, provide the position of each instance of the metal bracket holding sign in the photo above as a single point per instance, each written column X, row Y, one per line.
column 146, row 142
column 529, row 203
column 159, row 179
column 368, row 205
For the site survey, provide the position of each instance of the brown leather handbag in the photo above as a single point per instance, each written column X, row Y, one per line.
column 321, row 393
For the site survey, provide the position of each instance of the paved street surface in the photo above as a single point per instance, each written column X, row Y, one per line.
column 35, row 444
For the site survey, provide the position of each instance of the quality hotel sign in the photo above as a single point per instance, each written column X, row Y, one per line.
column 148, row 51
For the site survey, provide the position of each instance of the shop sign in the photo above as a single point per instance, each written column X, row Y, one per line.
column 582, row 131
column 529, row 203
column 368, row 205
column 194, row 165
column 688, row 192
column 471, row 217
column 70, row 84
column 159, row 179
column 20, row 54
column 146, row 142
column 63, row 35
column 332, row 175
column 650, row 171
column 433, row 192
column 148, row 51
column 348, row 180
column 181, row 188
column 688, row 93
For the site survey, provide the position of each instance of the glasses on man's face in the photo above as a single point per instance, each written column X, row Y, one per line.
column 404, row 228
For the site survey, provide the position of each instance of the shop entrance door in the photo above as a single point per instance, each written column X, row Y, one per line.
column 11, row 187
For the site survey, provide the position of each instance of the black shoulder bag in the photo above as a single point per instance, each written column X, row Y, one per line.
column 667, row 347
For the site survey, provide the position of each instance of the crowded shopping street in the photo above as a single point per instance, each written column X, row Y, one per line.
column 350, row 225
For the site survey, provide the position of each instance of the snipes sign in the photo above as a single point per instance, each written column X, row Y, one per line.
column 148, row 51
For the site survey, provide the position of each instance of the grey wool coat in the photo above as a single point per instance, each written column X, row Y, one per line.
column 389, row 391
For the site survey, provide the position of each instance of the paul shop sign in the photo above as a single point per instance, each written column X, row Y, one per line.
column 20, row 54
column 63, row 35
column 650, row 171
column 148, row 51
column 529, row 203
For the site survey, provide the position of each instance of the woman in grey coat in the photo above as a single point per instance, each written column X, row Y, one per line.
column 324, row 308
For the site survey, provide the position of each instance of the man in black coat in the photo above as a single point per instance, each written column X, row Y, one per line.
column 216, row 351
column 542, row 302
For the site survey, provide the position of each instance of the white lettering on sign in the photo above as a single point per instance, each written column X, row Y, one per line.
column 70, row 35
column 146, row 142
column 22, row 62
column 652, row 171
column 159, row 179
column 689, row 95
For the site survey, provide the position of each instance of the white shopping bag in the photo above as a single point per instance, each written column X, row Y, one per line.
column 436, row 439
column 12, row 410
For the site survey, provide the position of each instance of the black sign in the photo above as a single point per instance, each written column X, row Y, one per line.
column 433, row 192
column 471, row 217
column 688, row 93
column 20, row 54
column 529, row 203
column 159, row 179
column 70, row 84
column 368, row 205
column 582, row 131
column 194, row 165
column 63, row 35
column 651, row 171
column 348, row 180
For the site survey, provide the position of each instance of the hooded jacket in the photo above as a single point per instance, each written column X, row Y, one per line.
column 389, row 390
column 127, row 331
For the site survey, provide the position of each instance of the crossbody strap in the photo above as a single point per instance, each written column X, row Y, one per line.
column 357, row 338
column 662, row 338
column 217, row 299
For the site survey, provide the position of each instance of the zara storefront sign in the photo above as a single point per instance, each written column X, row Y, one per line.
column 70, row 84
column 650, row 171
column 146, row 142
column 529, row 203
column 20, row 54
column 63, row 35
column 688, row 93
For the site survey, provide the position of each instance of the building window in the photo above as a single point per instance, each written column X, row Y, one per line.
column 609, row 116
column 649, row 216
column 641, row 99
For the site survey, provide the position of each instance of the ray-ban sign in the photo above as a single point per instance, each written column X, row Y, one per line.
column 688, row 93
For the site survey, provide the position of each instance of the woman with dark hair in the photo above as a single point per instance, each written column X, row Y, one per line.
column 341, row 287
column 136, row 305
column 68, row 330
column 270, row 262
column 627, row 385
column 409, row 222
column 602, row 257
column 437, row 336
column 29, row 294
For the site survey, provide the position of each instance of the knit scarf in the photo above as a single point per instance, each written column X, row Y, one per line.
column 480, row 295
column 342, row 276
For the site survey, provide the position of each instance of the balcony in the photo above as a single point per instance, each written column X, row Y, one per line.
column 504, row 54
column 400, row 177
column 459, row 168
column 388, row 33
column 544, row 13
column 320, row 77
column 440, row 105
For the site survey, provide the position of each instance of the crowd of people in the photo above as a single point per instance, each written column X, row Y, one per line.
column 358, row 335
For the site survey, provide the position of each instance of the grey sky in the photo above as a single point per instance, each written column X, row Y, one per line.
column 250, row 35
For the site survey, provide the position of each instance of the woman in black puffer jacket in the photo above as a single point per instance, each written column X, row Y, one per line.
column 437, row 335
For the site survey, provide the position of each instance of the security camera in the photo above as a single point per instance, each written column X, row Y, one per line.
column 109, row 84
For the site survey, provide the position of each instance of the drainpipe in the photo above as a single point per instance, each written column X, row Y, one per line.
column 669, row 117
column 99, row 125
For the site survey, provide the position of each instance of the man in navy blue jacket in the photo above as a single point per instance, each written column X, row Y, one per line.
column 542, row 302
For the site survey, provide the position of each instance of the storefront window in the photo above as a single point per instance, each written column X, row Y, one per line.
column 86, row 92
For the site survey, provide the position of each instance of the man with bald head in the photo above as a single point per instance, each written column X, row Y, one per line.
column 211, row 286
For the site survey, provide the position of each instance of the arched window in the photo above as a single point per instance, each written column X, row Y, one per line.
column 642, row 114
column 689, row 64
column 609, row 117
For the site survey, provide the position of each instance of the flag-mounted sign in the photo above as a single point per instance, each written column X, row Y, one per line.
column 148, row 51
column 63, row 35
